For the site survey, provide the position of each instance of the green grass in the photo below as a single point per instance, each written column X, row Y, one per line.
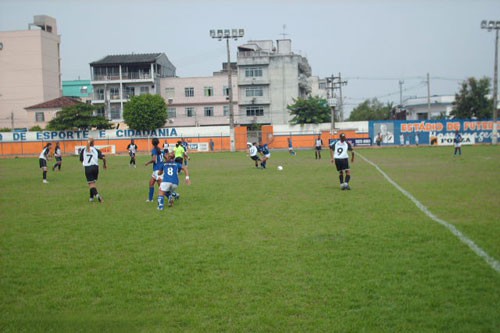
column 248, row 250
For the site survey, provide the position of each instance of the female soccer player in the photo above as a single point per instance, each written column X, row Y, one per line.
column 42, row 160
column 90, row 157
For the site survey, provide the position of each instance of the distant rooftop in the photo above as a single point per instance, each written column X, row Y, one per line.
column 59, row 102
column 127, row 59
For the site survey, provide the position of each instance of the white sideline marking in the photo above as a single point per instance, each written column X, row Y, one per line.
column 477, row 250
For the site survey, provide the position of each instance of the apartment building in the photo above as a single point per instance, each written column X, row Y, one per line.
column 30, row 67
column 200, row 101
column 270, row 77
column 117, row 78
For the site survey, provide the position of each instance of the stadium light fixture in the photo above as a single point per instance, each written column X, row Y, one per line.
column 494, row 25
column 228, row 34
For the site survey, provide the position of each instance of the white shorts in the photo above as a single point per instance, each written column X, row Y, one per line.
column 155, row 175
column 168, row 187
column 267, row 155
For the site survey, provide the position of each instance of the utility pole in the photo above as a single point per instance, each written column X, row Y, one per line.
column 341, row 108
column 401, row 93
column 335, row 82
column 428, row 97
column 12, row 120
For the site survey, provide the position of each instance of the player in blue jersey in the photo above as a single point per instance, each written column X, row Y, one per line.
column 290, row 147
column 266, row 154
column 170, row 180
column 157, row 160
column 185, row 145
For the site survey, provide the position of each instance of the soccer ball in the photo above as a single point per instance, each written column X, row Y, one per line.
column 280, row 167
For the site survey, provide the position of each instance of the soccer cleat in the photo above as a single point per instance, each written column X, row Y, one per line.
column 99, row 198
column 147, row 200
column 91, row 200
column 160, row 208
column 45, row 181
column 176, row 195
column 347, row 187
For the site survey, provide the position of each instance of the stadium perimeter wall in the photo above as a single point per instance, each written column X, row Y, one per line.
column 217, row 138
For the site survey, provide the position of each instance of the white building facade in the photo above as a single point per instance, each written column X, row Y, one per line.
column 269, row 78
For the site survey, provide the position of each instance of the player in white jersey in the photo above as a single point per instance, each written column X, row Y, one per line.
column 58, row 157
column 318, row 143
column 42, row 161
column 253, row 153
column 132, row 149
column 90, row 156
column 338, row 153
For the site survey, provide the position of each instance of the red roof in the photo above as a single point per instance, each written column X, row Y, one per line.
column 59, row 102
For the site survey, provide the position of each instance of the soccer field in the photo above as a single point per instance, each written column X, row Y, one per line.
column 250, row 250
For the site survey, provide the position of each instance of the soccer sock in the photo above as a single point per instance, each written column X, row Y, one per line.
column 44, row 175
column 161, row 201
column 341, row 177
column 93, row 192
column 347, row 178
column 151, row 193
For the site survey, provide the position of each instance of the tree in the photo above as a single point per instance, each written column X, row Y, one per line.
column 313, row 110
column 371, row 110
column 471, row 101
column 145, row 112
column 80, row 116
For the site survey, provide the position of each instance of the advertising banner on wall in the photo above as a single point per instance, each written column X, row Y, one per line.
column 113, row 134
column 430, row 132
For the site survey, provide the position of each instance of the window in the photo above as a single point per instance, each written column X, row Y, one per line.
column 144, row 90
column 170, row 92
column 114, row 93
column 114, row 112
column 190, row 112
column 208, row 91
column 189, row 92
column 99, row 94
column 253, row 72
column 255, row 111
column 226, row 110
column 172, row 113
column 254, row 91
column 39, row 117
column 225, row 91
column 84, row 90
column 100, row 112
column 209, row 111
column 129, row 92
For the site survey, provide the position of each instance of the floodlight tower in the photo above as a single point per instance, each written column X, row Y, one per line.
column 494, row 25
column 228, row 34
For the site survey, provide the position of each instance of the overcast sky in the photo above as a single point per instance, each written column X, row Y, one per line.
column 373, row 44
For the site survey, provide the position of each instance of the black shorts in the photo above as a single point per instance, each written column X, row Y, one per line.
column 255, row 158
column 318, row 148
column 58, row 158
column 92, row 173
column 342, row 164
column 42, row 162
